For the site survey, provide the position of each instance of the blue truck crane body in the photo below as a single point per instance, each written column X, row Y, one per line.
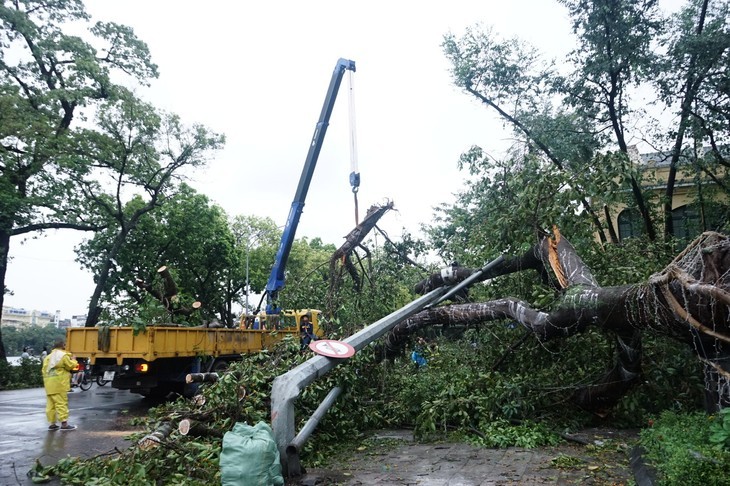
column 277, row 276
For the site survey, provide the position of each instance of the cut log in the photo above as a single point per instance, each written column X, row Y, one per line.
column 185, row 311
column 155, row 438
column 170, row 286
column 149, row 289
column 197, row 429
column 201, row 378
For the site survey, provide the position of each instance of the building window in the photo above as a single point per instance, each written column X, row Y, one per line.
column 630, row 224
column 685, row 222
column 716, row 217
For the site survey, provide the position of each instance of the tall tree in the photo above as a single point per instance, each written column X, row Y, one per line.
column 510, row 78
column 572, row 119
column 187, row 234
column 614, row 53
column 257, row 240
column 46, row 78
column 692, row 80
column 143, row 154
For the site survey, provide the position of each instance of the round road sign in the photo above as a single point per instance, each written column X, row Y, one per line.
column 332, row 348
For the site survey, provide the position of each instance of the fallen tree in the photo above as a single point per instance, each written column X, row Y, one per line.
column 687, row 301
column 341, row 259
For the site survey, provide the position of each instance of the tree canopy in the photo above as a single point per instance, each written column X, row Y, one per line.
column 582, row 116
column 49, row 81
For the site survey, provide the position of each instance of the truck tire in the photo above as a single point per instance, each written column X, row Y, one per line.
column 220, row 366
column 157, row 393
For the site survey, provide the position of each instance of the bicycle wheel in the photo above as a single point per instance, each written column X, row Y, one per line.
column 85, row 383
column 101, row 381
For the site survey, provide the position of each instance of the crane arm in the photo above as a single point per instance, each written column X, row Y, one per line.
column 276, row 278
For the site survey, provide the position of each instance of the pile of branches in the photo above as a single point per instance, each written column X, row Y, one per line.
column 182, row 439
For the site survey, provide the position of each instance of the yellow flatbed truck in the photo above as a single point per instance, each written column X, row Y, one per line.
column 156, row 361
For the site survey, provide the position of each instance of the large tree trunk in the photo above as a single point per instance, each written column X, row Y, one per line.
column 95, row 310
column 688, row 301
column 4, row 251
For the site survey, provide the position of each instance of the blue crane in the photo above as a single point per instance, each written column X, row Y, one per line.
column 277, row 277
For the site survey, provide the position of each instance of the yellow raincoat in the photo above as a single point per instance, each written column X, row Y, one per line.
column 56, row 371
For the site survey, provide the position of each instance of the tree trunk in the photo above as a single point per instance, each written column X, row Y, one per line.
column 92, row 318
column 690, row 86
column 688, row 301
column 201, row 378
column 4, row 251
column 153, row 440
column 197, row 429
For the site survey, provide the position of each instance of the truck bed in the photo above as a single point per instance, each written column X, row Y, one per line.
column 167, row 342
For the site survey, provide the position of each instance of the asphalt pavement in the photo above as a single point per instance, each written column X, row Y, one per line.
column 387, row 458
column 25, row 438
column 394, row 458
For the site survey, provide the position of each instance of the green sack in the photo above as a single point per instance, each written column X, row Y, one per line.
column 250, row 457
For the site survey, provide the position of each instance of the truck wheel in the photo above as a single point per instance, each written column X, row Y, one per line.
column 156, row 393
column 220, row 366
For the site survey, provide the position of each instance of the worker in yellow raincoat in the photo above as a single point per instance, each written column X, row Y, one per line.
column 56, row 371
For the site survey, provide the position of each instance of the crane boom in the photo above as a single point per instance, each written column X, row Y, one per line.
column 276, row 278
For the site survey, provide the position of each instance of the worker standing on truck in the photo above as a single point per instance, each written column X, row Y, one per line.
column 56, row 371
column 306, row 331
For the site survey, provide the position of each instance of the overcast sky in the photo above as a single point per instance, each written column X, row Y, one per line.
column 258, row 72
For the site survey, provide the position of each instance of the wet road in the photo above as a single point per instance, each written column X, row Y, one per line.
column 101, row 415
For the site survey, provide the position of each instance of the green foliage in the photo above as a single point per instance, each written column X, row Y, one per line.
column 33, row 337
column 633, row 261
column 257, row 240
column 146, row 152
column 461, row 393
column 50, row 78
column 242, row 394
column 503, row 433
column 563, row 461
column 720, row 430
column 307, row 272
column 189, row 235
column 580, row 121
column 525, row 189
column 679, row 447
column 27, row 374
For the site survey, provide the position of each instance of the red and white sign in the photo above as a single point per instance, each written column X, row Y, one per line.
column 332, row 348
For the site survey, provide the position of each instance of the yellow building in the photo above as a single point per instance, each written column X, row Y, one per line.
column 15, row 317
column 697, row 202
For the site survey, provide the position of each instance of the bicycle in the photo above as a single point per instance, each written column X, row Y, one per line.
column 85, row 381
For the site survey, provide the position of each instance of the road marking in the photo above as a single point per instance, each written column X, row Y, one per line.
column 10, row 451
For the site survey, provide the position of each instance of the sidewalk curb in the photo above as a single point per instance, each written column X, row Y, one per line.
column 643, row 474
